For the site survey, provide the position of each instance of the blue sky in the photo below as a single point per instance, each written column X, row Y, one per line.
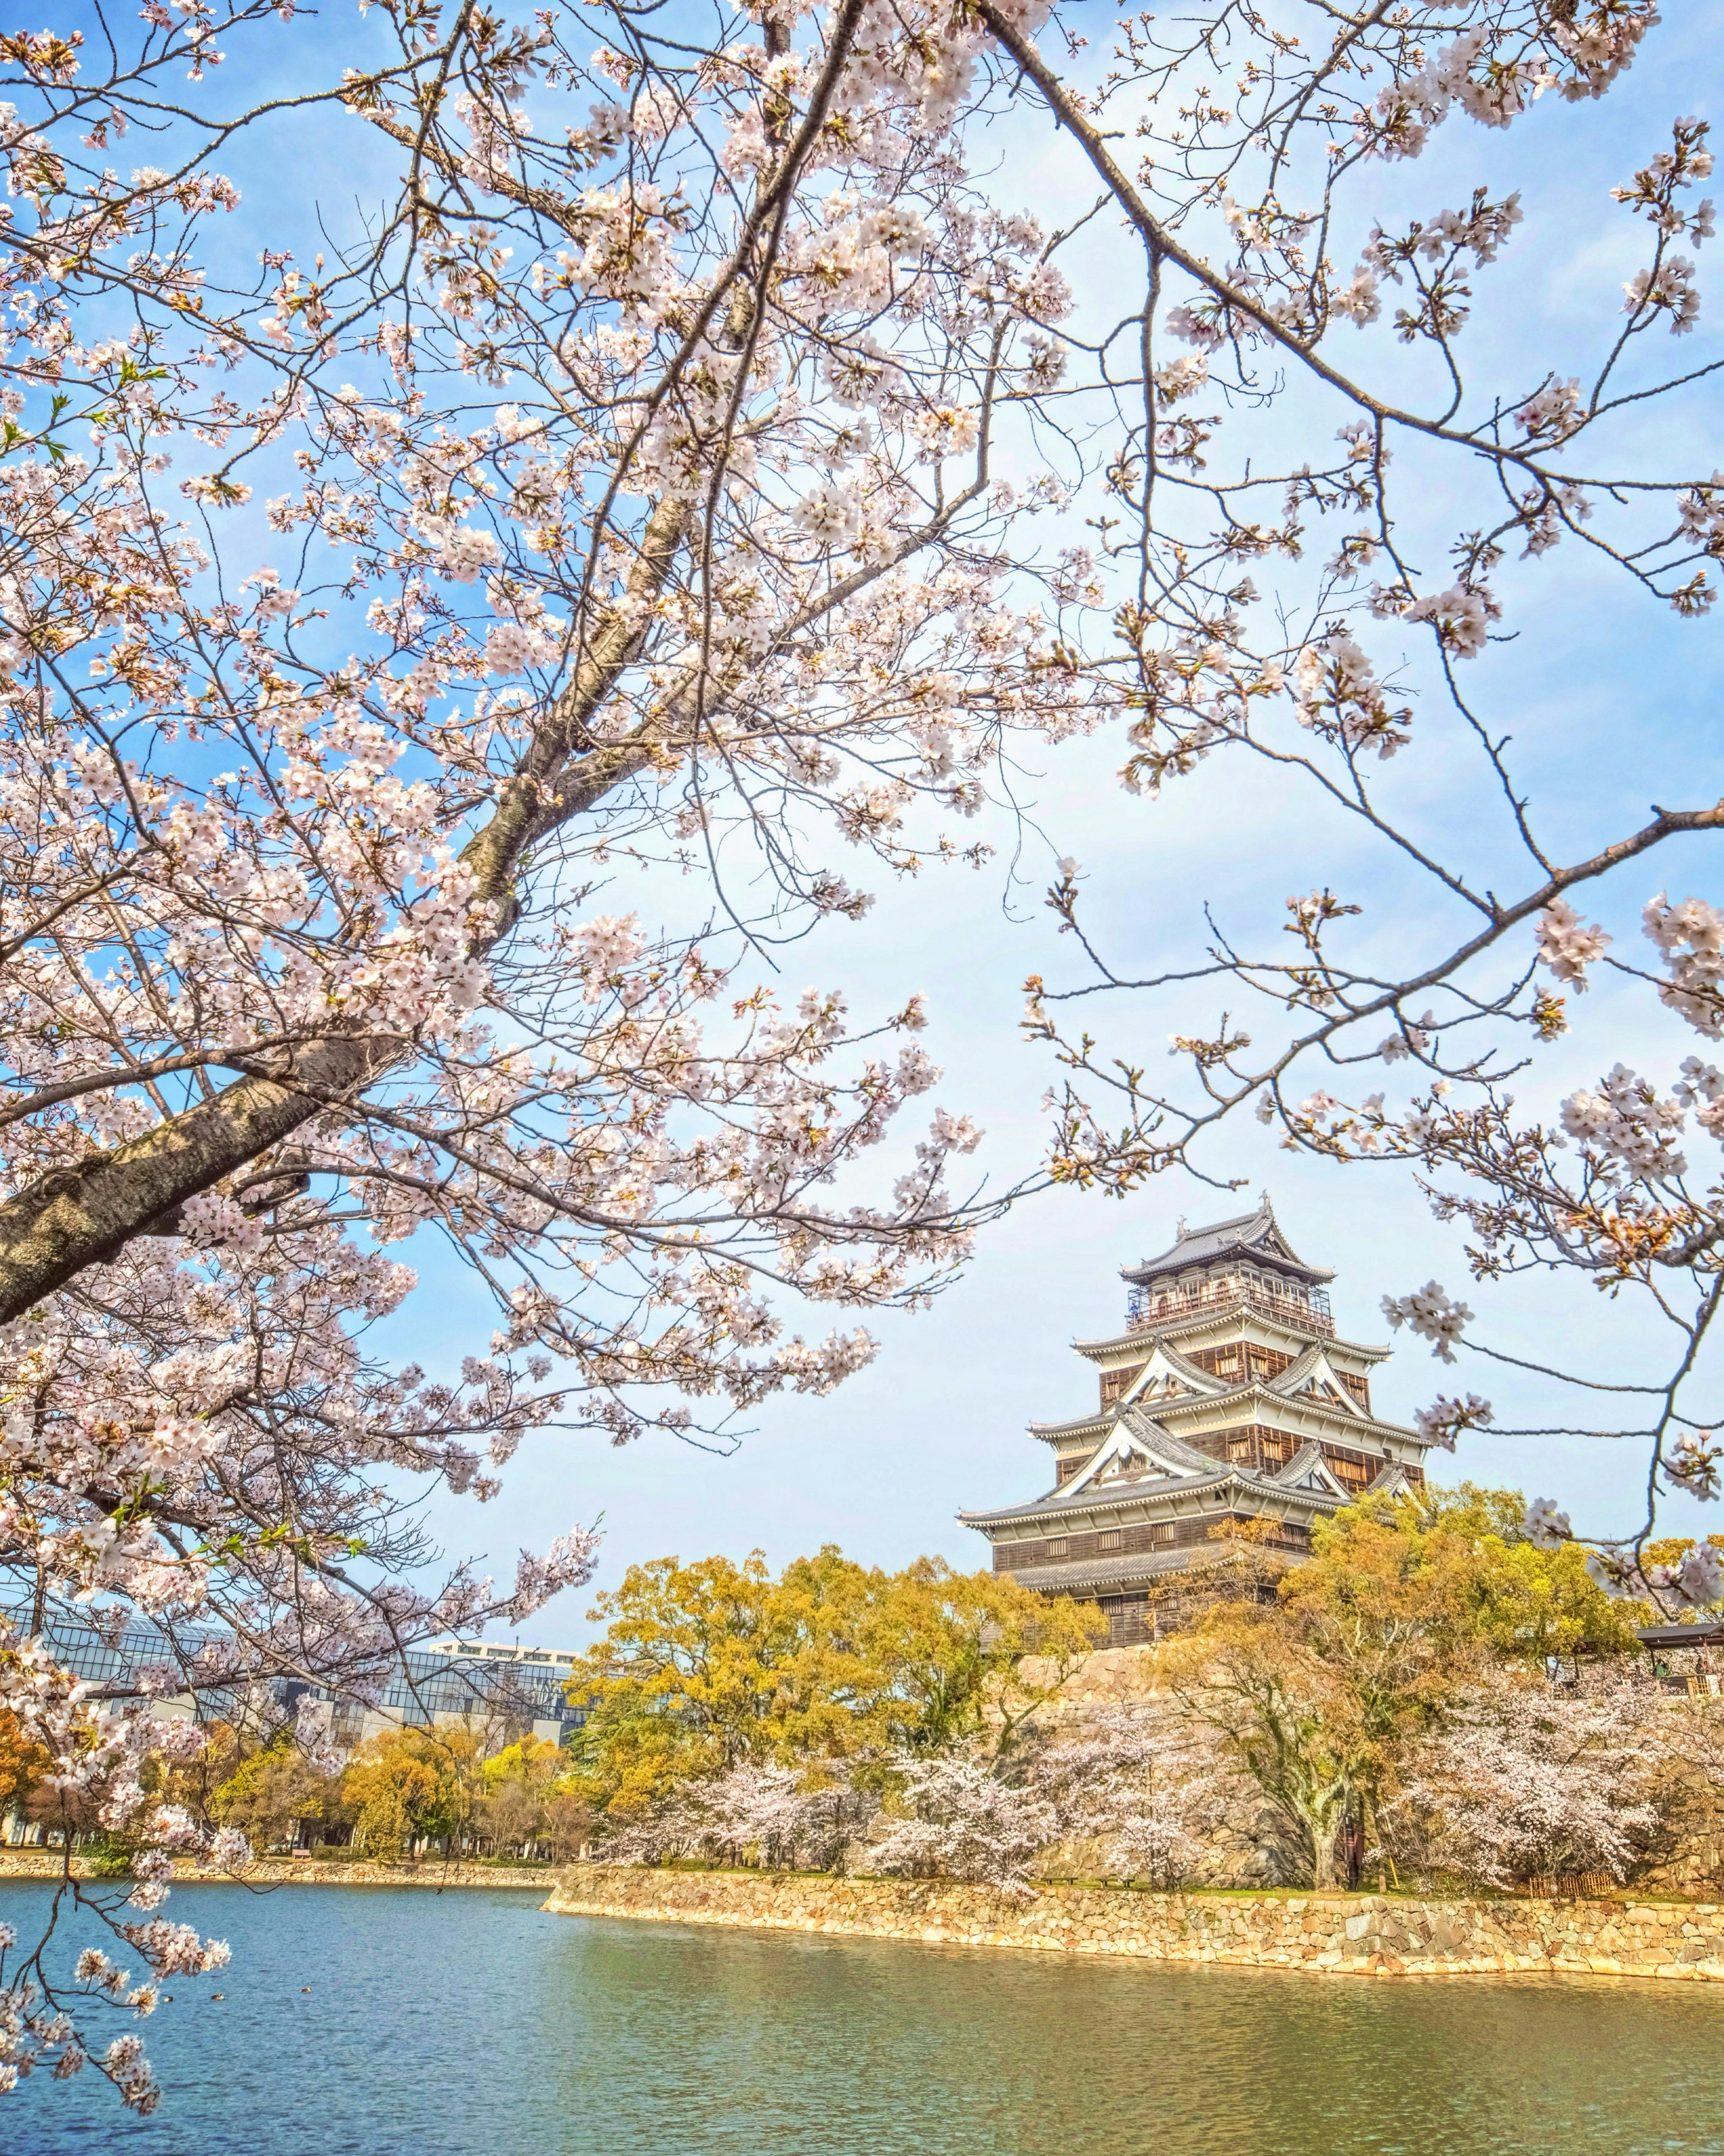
column 1613, row 704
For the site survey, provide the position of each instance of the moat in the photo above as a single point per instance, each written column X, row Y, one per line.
column 471, row 2021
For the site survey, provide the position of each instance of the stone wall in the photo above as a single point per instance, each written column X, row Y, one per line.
column 305, row 1872
column 1341, row 1934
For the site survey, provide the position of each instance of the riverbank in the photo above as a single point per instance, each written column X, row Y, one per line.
column 1325, row 1934
column 302, row 1871
column 474, row 2024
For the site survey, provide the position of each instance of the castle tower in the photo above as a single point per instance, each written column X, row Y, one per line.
column 1228, row 1399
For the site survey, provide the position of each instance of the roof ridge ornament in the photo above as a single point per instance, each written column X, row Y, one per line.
column 1230, row 1337
column 1241, row 1238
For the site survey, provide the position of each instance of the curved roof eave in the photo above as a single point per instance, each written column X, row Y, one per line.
column 1142, row 1338
column 1256, row 1234
column 1149, row 1491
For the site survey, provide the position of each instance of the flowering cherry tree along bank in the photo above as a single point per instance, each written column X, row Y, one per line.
column 618, row 487
column 1429, row 1697
column 1339, row 483
column 675, row 454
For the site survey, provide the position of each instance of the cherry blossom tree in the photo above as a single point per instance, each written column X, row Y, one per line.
column 963, row 1820
column 978, row 1809
column 612, row 486
column 1529, row 1780
column 983, row 1812
column 1348, row 462
column 754, row 1812
column 1140, row 1790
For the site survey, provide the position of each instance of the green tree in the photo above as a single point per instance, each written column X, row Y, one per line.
column 270, row 1792
column 705, row 1664
column 519, row 1786
column 1404, row 1603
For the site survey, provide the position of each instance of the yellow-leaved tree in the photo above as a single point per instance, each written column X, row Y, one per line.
column 412, row 1784
column 1405, row 1605
column 706, row 1664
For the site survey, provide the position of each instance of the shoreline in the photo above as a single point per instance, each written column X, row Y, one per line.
column 286, row 1872
column 1319, row 1934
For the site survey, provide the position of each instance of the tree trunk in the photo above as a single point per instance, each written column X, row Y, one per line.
column 82, row 1215
column 1354, row 1841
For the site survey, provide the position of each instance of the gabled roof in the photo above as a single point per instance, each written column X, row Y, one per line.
column 1139, row 1448
column 1161, row 1442
column 1139, row 1458
column 1307, row 1470
column 1310, row 1387
column 1251, row 1235
column 1167, row 1369
column 1314, row 1372
column 1154, row 1475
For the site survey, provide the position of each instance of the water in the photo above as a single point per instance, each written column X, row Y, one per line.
column 472, row 2022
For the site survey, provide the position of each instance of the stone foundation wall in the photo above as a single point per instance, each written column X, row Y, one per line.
column 1341, row 1934
column 307, row 1871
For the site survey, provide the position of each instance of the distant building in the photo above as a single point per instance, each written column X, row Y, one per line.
column 1227, row 1399
column 1686, row 1657
column 505, row 1691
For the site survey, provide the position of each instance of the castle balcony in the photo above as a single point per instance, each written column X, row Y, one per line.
column 1148, row 1309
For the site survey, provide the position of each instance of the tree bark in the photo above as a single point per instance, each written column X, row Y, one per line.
column 84, row 1214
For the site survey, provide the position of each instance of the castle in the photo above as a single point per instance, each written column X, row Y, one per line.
column 1227, row 1399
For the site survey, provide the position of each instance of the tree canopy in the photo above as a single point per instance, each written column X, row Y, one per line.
column 705, row 1663
column 1405, row 1604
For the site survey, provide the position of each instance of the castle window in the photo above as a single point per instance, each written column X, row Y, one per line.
column 1114, row 1383
column 1109, row 1539
column 1056, row 1546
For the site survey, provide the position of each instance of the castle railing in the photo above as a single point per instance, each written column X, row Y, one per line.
column 1149, row 1309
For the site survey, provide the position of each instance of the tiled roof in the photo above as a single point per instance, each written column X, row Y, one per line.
column 1149, row 1487
column 1313, row 1361
column 1255, row 1233
column 1134, row 1489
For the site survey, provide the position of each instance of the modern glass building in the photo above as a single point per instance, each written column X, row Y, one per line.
column 509, row 1689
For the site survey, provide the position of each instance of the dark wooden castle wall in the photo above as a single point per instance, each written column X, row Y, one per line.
column 1101, row 1544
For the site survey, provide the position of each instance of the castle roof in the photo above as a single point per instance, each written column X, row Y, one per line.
column 1229, row 1399
column 1310, row 1387
column 1157, row 1471
column 1249, row 1236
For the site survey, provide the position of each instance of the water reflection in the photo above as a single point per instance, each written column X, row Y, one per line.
column 472, row 2022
